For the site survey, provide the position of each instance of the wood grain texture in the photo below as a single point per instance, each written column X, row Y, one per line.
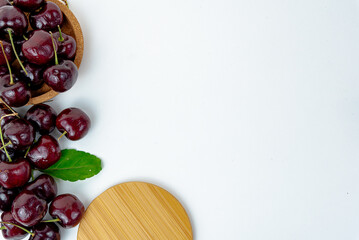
column 72, row 27
column 135, row 211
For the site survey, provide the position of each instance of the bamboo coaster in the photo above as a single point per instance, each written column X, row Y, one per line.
column 72, row 27
column 135, row 211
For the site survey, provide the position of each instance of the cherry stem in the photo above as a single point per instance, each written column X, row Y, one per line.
column 7, row 62
column 2, row 137
column 52, row 220
column 7, row 144
column 53, row 44
column 22, row 228
column 63, row 134
column 61, row 39
column 13, row 47
column 12, row 110
column 25, row 37
column 27, row 151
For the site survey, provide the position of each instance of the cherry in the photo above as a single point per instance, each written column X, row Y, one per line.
column 7, row 196
column 61, row 77
column 13, row 91
column 67, row 45
column 5, row 111
column 13, row 175
column 13, row 18
column 39, row 48
column 4, row 2
column 68, row 209
column 44, row 187
column 3, row 71
column 34, row 75
column 21, row 134
column 28, row 209
column 28, row 5
column 45, row 152
column 46, row 231
column 49, row 17
column 74, row 123
column 42, row 117
column 12, row 231
column 9, row 53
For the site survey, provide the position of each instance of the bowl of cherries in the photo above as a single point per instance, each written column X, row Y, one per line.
column 41, row 50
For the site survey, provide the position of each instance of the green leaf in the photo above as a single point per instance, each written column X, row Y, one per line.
column 75, row 165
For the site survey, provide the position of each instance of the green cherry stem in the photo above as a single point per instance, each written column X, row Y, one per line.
column 63, row 134
column 7, row 62
column 22, row 228
column 52, row 220
column 61, row 39
column 10, row 108
column 53, row 44
column 7, row 144
column 2, row 137
column 13, row 47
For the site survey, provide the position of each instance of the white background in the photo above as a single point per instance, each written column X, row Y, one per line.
column 246, row 110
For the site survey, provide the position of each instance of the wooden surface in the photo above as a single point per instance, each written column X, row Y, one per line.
column 135, row 211
column 72, row 27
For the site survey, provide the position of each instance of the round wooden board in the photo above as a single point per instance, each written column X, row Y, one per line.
column 135, row 211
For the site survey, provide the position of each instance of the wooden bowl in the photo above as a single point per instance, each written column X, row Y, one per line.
column 71, row 27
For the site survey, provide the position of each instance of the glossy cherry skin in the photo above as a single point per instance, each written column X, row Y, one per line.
column 34, row 75
column 4, row 2
column 28, row 5
column 3, row 70
column 42, row 117
column 44, row 153
column 5, row 111
column 39, row 48
column 44, row 186
column 11, row 231
column 75, row 122
column 9, row 53
column 15, row 174
column 49, row 17
column 46, row 231
column 68, row 208
column 13, row 18
column 20, row 132
column 7, row 196
column 67, row 47
column 61, row 77
column 28, row 209
column 16, row 94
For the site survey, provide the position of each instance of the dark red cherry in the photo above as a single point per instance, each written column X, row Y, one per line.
column 16, row 94
column 39, row 48
column 5, row 111
column 45, row 152
column 44, row 187
column 67, row 45
column 28, row 5
column 9, row 53
column 14, row 174
column 3, row 70
column 13, row 18
column 4, row 2
column 75, row 122
column 42, row 117
column 21, row 134
column 68, row 208
column 34, row 75
column 61, row 77
column 28, row 209
column 46, row 231
column 49, row 17
column 7, row 196
column 11, row 231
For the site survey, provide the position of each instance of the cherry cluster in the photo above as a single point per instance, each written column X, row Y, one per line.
column 25, row 203
column 42, row 55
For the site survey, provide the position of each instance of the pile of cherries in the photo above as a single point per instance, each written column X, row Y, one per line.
column 42, row 55
column 24, row 204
